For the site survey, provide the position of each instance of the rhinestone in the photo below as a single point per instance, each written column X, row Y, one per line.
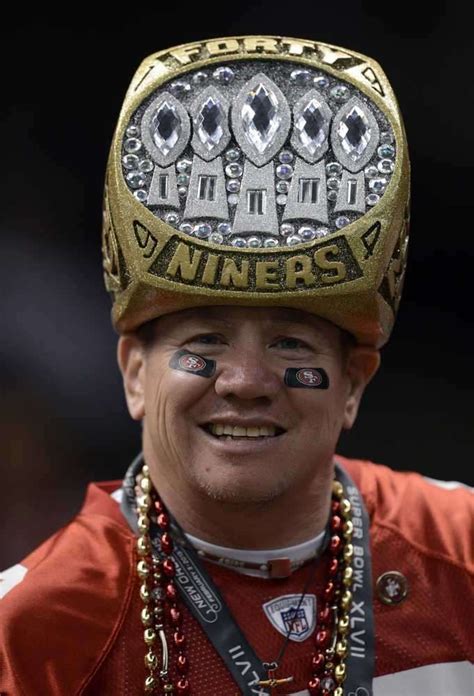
column 239, row 242
column 203, row 230
column 186, row 227
column 285, row 156
column 254, row 242
column 355, row 132
column 307, row 233
column 301, row 77
column 141, row 195
column 130, row 161
column 340, row 93
column 209, row 123
column 332, row 195
column 135, row 179
column 260, row 117
column 182, row 190
column 312, row 126
column 328, row 683
column 232, row 155
column 321, row 232
column 165, row 128
column 386, row 151
column 180, row 87
column 224, row 228
column 281, row 199
column 233, row 199
column 157, row 593
column 234, row 169
column 267, row 243
column 224, row 75
column 284, row 171
column 171, row 218
column 145, row 165
column 377, row 185
column 199, row 77
column 293, row 239
column 385, row 166
column 286, row 228
column 333, row 169
column 216, row 238
column 132, row 145
column 342, row 221
column 371, row 172
column 183, row 165
column 333, row 183
column 133, row 131
column 182, row 179
column 372, row 199
column 386, row 138
column 282, row 186
column 321, row 81
column 233, row 185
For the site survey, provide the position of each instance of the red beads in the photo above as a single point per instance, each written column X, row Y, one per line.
column 175, row 615
column 335, row 545
column 166, row 543
column 183, row 664
column 168, row 568
column 322, row 638
column 179, row 639
column 318, row 661
column 333, row 567
column 182, row 686
column 314, row 686
column 335, row 507
column 324, row 615
column 336, row 523
column 171, row 592
column 159, row 507
column 329, row 591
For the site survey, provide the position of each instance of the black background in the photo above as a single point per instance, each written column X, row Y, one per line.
column 63, row 420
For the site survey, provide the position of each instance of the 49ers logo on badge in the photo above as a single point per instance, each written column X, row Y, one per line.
column 292, row 616
column 306, row 378
column 191, row 362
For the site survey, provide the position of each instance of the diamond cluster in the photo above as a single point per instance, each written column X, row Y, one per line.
column 258, row 154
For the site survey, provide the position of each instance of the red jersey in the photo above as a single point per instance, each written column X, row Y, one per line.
column 70, row 612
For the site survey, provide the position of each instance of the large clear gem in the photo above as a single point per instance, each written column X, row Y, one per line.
column 209, row 123
column 354, row 132
column 165, row 128
column 312, row 126
column 260, row 117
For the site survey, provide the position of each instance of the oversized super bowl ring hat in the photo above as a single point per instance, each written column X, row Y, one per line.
column 262, row 171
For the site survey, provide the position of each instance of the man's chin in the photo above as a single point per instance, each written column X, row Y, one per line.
column 240, row 488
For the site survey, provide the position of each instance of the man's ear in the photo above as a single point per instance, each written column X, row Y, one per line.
column 362, row 364
column 131, row 360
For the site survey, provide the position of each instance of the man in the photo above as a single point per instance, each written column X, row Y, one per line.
column 255, row 233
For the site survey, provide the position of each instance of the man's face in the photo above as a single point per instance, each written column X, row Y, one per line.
column 241, row 435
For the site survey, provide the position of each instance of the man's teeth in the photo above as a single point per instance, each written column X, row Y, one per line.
column 239, row 431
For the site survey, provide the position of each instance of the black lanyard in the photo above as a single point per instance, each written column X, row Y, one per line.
column 206, row 604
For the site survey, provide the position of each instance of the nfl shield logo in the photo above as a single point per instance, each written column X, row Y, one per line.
column 291, row 616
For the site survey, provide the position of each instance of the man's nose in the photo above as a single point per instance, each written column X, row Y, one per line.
column 247, row 375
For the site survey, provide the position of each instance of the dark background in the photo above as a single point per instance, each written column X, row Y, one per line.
column 63, row 420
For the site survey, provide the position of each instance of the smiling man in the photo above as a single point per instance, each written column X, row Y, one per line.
column 254, row 244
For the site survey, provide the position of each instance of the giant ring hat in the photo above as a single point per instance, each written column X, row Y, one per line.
column 258, row 171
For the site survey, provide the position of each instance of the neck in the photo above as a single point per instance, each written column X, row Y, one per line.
column 292, row 518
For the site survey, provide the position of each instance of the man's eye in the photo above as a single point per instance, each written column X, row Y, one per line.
column 290, row 343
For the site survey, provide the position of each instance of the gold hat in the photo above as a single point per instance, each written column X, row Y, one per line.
column 258, row 170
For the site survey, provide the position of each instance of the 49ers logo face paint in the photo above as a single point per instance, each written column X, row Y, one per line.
column 306, row 378
column 193, row 363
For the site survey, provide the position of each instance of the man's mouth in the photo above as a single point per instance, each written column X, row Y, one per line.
column 239, row 432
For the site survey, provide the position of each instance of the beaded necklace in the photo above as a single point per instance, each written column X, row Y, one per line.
column 161, row 615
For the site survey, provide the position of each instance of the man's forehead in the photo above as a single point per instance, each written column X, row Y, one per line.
column 235, row 314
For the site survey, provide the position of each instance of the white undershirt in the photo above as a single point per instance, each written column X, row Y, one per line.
column 296, row 554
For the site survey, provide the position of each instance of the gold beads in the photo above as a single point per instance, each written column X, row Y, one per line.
column 143, row 569
column 339, row 691
column 146, row 485
column 348, row 552
column 143, row 546
column 150, row 683
column 343, row 625
column 340, row 673
column 143, row 523
column 347, row 529
column 144, row 503
column 347, row 576
column 337, row 489
column 145, row 593
column 345, row 506
column 342, row 648
column 149, row 636
column 146, row 617
column 346, row 600
column 151, row 661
